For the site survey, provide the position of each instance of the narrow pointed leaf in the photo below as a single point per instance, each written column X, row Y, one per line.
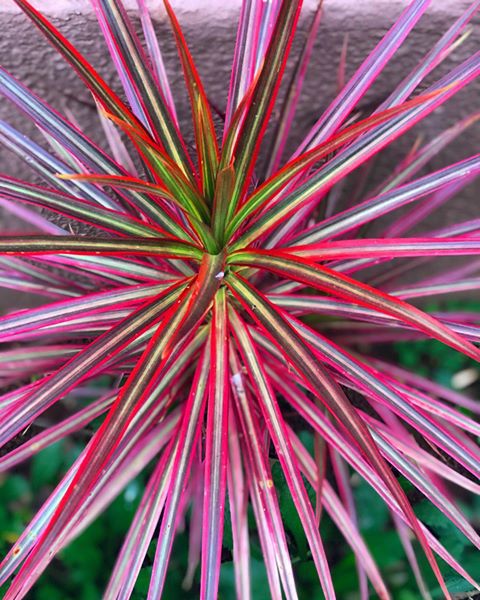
column 30, row 245
column 278, row 432
column 366, row 74
column 161, row 123
column 375, row 207
column 206, row 139
column 264, row 194
column 216, row 451
column 187, row 437
column 260, row 104
column 92, row 79
column 83, row 210
column 262, row 477
column 300, row 355
column 344, row 287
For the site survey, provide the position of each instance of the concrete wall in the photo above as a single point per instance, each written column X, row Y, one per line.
column 210, row 27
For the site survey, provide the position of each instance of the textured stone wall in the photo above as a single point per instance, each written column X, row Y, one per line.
column 210, row 27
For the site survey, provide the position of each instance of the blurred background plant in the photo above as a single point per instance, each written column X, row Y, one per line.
column 81, row 571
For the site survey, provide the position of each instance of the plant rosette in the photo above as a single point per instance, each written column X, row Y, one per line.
column 218, row 295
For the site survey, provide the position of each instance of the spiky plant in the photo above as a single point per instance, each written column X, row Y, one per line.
column 189, row 292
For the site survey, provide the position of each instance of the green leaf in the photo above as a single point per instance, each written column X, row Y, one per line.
column 143, row 581
column 289, row 512
column 92, row 79
column 258, row 579
column 46, row 466
column 14, row 488
column 443, row 528
column 372, row 512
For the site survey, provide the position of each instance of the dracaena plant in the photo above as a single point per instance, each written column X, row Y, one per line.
column 220, row 293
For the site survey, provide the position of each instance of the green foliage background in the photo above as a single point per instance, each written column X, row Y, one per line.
column 81, row 571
